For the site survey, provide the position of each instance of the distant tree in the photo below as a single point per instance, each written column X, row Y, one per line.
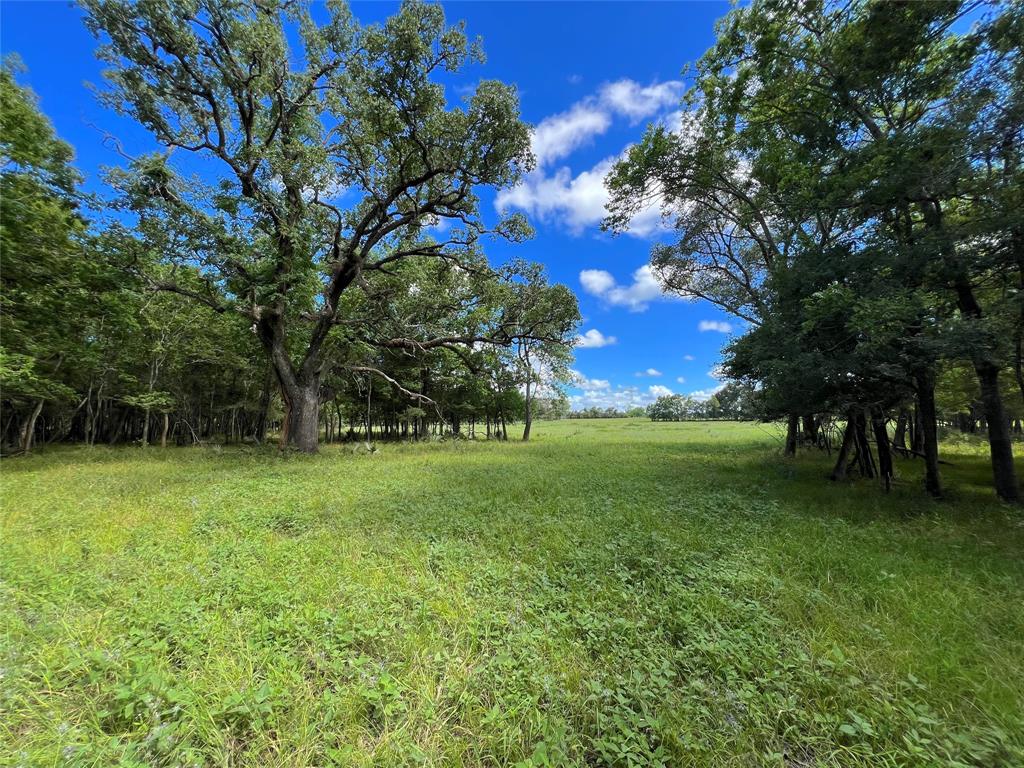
column 670, row 408
column 551, row 408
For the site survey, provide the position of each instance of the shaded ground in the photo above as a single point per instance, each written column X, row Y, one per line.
column 613, row 593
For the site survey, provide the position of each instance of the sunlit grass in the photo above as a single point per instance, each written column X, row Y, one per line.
column 614, row 592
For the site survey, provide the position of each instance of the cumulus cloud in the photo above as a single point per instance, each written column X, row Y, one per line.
column 717, row 372
column 649, row 372
column 707, row 394
column 578, row 200
column 594, row 339
column 629, row 98
column 619, row 397
column 636, row 296
column 680, row 379
column 596, row 281
column 558, row 135
column 715, row 325
column 583, row 382
column 689, row 358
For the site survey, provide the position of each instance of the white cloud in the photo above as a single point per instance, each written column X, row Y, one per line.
column 707, row 394
column 596, row 281
column 715, row 325
column 717, row 372
column 618, row 397
column 558, row 135
column 689, row 358
column 680, row 379
column 580, row 380
column 649, row 372
column 594, row 339
column 578, row 200
column 636, row 296
column 629, row 98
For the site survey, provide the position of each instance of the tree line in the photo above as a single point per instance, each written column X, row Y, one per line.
column 846, row 179
column 735, row 401
column 324, row 276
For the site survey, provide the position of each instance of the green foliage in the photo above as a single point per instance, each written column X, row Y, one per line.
column 680, row 600
column 734, row 401
column 847, row 180
column 335, row 151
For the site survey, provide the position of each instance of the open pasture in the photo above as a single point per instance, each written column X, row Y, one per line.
column 612, row 593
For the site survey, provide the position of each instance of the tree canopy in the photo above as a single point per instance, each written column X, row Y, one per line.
column 846, row 180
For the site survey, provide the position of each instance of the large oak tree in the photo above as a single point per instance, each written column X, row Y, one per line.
column 331, row 151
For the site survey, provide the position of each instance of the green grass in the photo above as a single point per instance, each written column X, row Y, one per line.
column 613, row 593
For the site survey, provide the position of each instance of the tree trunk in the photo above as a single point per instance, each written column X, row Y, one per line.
column 28, row 429
column 303, row 430
column 925, row 410
column 899, row 438
column 1000, row 448
column 528, row 415
column 917, row 430
column 145, row 429
column 810, row 429
column 791, row 434
column 163, row 435
column 999, row 441
column 839, row 471
column 878, row 426
column 286, row 421
column 865, row 459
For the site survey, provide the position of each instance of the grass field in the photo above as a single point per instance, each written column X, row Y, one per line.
column 613, row 593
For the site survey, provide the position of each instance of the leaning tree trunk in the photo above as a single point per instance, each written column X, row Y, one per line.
column 878, row 426
column 865, row 459
column 28, row 428
column 840, row 469
column 792, row 427
column 1000, row 446
column 925, row 384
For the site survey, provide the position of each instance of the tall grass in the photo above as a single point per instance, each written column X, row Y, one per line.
column 612, row 593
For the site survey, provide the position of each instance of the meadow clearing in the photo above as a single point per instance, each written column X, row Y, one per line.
column 615, row 592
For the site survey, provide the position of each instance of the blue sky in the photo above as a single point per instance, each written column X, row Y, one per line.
column 591, row 76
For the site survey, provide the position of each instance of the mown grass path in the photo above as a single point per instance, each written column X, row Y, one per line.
column 612, row 593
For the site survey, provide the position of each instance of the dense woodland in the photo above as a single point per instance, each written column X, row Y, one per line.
column 184, row 310
column 845, row 178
